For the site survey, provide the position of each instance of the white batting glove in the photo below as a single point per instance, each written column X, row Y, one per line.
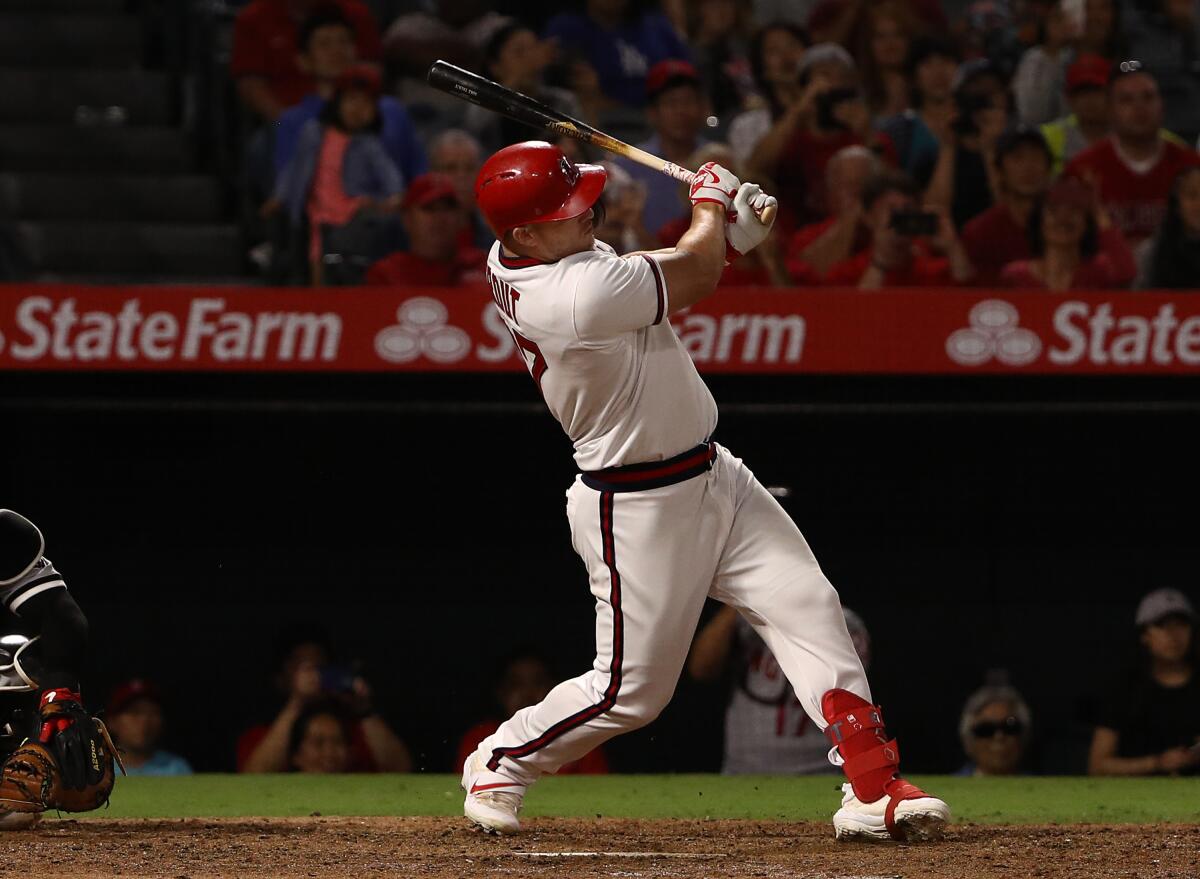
column 713, row 183
column 746, row 230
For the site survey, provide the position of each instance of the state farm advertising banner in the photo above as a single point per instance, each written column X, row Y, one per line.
column 752, row 330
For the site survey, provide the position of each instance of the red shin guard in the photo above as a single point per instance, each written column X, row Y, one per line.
column 871, row 759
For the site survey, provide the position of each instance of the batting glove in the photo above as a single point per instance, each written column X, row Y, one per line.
column 715, row 184
column 746, row 230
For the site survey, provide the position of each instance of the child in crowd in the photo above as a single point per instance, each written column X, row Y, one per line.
column 340, row 170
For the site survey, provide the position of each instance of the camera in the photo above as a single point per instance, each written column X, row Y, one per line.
column 827, row 103
column 915, row 224
column 338, row 678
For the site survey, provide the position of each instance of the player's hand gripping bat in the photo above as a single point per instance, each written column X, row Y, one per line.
column 492, row 96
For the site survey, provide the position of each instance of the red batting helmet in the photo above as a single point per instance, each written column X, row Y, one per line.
column 533, row 182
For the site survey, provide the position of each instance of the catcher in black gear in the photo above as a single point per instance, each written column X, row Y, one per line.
column 53, row 753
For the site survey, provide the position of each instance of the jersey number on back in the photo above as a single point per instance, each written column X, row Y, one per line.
column 532, row 355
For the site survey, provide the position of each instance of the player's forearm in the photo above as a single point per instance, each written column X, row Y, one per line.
column 62, row 643
column 693, row 271
column 387, row 749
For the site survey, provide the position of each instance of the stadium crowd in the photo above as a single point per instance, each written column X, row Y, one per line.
column 1021, row 143
column 323, row 719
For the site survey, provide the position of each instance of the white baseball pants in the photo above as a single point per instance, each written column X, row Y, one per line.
column 653, row 556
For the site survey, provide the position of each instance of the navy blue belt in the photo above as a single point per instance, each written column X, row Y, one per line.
column 654, row 474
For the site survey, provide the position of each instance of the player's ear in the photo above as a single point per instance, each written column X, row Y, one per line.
column 520, row 238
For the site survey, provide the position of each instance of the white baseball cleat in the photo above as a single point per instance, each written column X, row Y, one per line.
column 493, row 800
column 907, row 814
column 18, row 820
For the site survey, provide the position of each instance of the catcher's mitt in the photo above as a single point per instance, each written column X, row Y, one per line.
column 70, row 769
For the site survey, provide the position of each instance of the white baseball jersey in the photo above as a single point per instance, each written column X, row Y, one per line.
column 594, row 333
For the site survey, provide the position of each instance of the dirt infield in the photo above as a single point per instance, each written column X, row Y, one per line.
column 441, row 847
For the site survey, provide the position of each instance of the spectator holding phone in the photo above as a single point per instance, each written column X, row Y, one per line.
column 964, row 180
column 1171, row 259
column 909, row 247
column 775, row 54
column 1075, row 245
column 1000, row 234
column 1153, row 724
column 306, row 677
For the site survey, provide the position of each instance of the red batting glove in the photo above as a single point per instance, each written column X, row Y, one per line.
column 714, row 183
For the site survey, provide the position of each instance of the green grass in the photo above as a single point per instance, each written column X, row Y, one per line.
column 1000, row 800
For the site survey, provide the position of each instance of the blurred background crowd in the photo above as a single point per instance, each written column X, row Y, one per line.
column 322, row 717
column 1019, row 143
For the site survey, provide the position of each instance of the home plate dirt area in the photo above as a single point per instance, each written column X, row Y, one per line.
column 443, row 847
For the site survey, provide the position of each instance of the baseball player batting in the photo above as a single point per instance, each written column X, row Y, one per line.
column 53, row 753
column 662, row 516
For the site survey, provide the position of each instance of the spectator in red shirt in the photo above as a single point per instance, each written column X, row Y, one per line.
column 1134, row 168
column 1000, row 234
column 525, row 680
column 306, row 678
column 817, row 246
column 432, row 217
column 264, row 61
column 1074, row 243
column 831, row 114
column 898, row 255
column 963, row 179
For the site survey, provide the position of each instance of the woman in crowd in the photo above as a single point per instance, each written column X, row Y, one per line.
column 1171, row 259
column 1153, row 723
column 1074, row 243
column 340, row 170
column 320, row 740
column 718, row 33
column 775, row 55
column 994, row 729
column 882, row 48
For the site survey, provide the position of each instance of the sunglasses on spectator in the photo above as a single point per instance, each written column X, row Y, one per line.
column 986, row 729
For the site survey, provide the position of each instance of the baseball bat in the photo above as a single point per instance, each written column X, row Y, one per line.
column 492, row 96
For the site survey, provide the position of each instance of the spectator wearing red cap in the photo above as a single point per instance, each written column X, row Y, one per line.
column 340, row 169
column 896, row 256
column 614, row 44
column 1087, row 123
column 1000, row 234
column 1075, row 245
column 327, row 51
column 432, row 217
column 135, row 719
column 266, row 50
column 677, row 112
column 1133, row 169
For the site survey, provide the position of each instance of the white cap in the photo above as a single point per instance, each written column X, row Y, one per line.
column 1163, row 603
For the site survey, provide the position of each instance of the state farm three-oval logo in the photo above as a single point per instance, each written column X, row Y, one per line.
column 422, row 330
column 994, row 334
